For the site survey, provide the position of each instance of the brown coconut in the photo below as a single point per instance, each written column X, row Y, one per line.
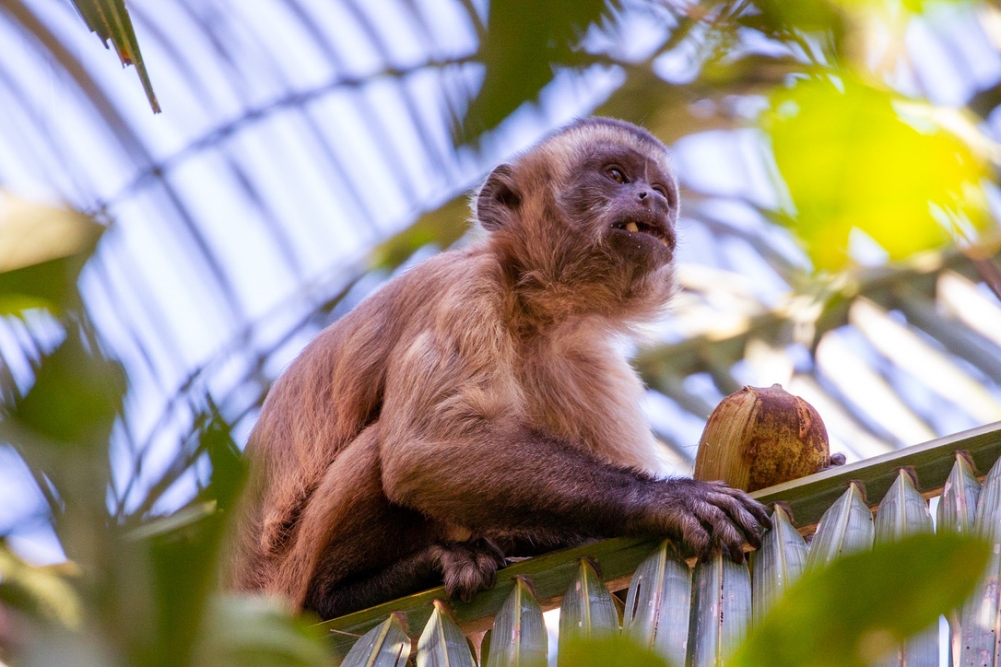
column 760, row 437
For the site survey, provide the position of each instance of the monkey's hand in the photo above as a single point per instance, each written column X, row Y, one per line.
column 466, row 567
column 709, row 516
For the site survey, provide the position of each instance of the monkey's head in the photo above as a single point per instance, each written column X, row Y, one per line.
column 587, row 216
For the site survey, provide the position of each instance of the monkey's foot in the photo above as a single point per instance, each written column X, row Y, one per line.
column 467, row 567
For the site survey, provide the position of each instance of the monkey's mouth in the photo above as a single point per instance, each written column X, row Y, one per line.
column 636, row 226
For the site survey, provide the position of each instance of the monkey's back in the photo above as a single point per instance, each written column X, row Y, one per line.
column 329, row 394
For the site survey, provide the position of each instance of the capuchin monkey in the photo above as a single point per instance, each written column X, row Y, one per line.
column 479, row 404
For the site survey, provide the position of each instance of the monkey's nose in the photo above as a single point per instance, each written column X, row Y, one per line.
column 642, row 195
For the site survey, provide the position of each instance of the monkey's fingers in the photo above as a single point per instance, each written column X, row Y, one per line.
column 740, row 516
column 748, row 505
column 724, row 530
column 697, row 534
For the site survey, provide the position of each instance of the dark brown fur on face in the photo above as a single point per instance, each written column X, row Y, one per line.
column 480, row 400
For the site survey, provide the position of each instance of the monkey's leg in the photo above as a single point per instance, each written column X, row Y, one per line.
column 507, row 481
column 465, row 567
column 382, row 550
column 348, row 502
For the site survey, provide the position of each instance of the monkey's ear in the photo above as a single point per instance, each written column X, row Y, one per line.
column 498, row 198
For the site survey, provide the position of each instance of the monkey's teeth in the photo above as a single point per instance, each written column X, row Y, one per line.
column 632, row 227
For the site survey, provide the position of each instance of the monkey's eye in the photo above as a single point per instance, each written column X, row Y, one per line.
column 660, row 190
column 615, row 174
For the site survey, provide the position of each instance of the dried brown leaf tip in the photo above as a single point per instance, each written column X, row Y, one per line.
column 759, row 437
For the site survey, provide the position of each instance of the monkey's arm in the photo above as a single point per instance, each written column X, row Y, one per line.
column 504, row 481
column 455, row 456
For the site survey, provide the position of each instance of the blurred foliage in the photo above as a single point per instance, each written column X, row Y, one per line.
column 139, row 591
column 42, row 249
column 617, row 651
column 525, row 41
column 858, row 157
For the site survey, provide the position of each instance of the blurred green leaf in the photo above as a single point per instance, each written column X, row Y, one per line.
column 41, row 592
column 183, row 547
column 525, row 40
column 778, row 19
column 76, row 395
column 42, row 249
column 443, row 226
column 915, row 6
column 850, row 613
column 259, row 632
column 110, row 20
column 619, row 651
column 853, row 156
column 229, row 468
column 49, row 285
column 177, row 556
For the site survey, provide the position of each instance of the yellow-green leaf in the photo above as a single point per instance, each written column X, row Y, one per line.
column 855, row 156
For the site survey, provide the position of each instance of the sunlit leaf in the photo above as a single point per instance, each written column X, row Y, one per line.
column 42, row 249
column 587, row 609
column 846, row 527
column 721, row 610
column 519, row 636
column 858, row 157
column 915, row 6
column 110, row 20
column 850, row 613
column 658, row 604
column 777, row 564
column 442, row 643
column 32, row 233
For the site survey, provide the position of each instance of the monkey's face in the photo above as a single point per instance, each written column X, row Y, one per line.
column 627, row 202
